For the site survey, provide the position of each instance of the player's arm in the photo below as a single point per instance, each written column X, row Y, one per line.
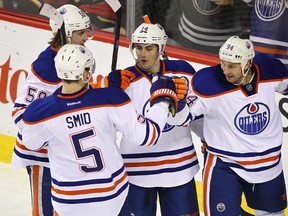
column 163, row 91
column 31, row 139
column 33, row 89
column 146, row 130
column 33, row 131
column 182, row 117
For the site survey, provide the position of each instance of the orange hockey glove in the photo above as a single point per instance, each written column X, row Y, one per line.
column 101, row 82
column 116, row 78
column 181, row 84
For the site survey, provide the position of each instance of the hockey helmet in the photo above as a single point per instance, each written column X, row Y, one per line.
column 237, row 50
column 150, row 34
column 71, row 61
column 74, row 19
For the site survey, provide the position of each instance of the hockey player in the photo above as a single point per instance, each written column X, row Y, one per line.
column 78, row 127
column 168, row 169
column 41, row 82
column 243, row 130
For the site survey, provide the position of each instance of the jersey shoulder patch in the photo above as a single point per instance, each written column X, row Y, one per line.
column 211, row 81
column 55, row 105
column 44, row 67
column 179, row 67
column 269, row 68
column 134, row 69
column 111, row 95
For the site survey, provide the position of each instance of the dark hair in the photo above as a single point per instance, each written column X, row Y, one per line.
column 56, row 40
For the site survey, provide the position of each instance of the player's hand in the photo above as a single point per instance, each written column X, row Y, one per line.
column 163, row 90
column 116, row 78
column 181, row 84
column 120, row 78
column 203, row 147
column 100, row 82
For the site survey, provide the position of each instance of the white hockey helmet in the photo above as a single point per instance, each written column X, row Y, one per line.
column 237, row 50
column 74, row 19
column 149, row 34
column 71, row 61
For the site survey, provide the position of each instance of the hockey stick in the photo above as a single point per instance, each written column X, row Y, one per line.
column 148, row 21
column 51, row 12
column 244, row 213
column 116, row 7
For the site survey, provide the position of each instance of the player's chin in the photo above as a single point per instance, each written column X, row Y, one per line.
column 144, row 65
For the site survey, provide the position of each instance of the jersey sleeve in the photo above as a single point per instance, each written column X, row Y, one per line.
column 34, row 132
column 182, row 118
column 197, row 125
column 283, row 85
column 180, row 68
column 272, row 70
column 136, row 128
column 41, row 81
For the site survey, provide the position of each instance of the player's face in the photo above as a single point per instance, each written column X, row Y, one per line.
column 232, row 71
column 147, row 55
column 80, row 36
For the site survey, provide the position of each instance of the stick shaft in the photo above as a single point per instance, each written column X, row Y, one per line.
column 117, row 8
column 116, row 39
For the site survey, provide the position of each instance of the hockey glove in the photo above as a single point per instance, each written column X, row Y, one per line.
column 116, row 78
column 99, row 82
column 163, row 90
column 203, row 147
column 181, row 84
column 120, row 78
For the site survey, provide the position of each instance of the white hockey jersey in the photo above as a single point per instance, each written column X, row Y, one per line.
column 173, row 161
column 41, row 82
column 79, row 131
column 242, row 124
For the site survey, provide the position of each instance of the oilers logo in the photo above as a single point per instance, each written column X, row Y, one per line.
column 63, row 11
column 269, row 10
column 248, row 45
column 145, row 110
column 253, row 118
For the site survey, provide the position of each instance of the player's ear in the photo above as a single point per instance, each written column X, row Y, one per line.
column 248, row 64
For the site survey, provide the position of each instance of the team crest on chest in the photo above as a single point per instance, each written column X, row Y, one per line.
column 253, row 118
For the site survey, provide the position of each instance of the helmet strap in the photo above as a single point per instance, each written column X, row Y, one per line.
column 87, row 78
column 244, row 75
